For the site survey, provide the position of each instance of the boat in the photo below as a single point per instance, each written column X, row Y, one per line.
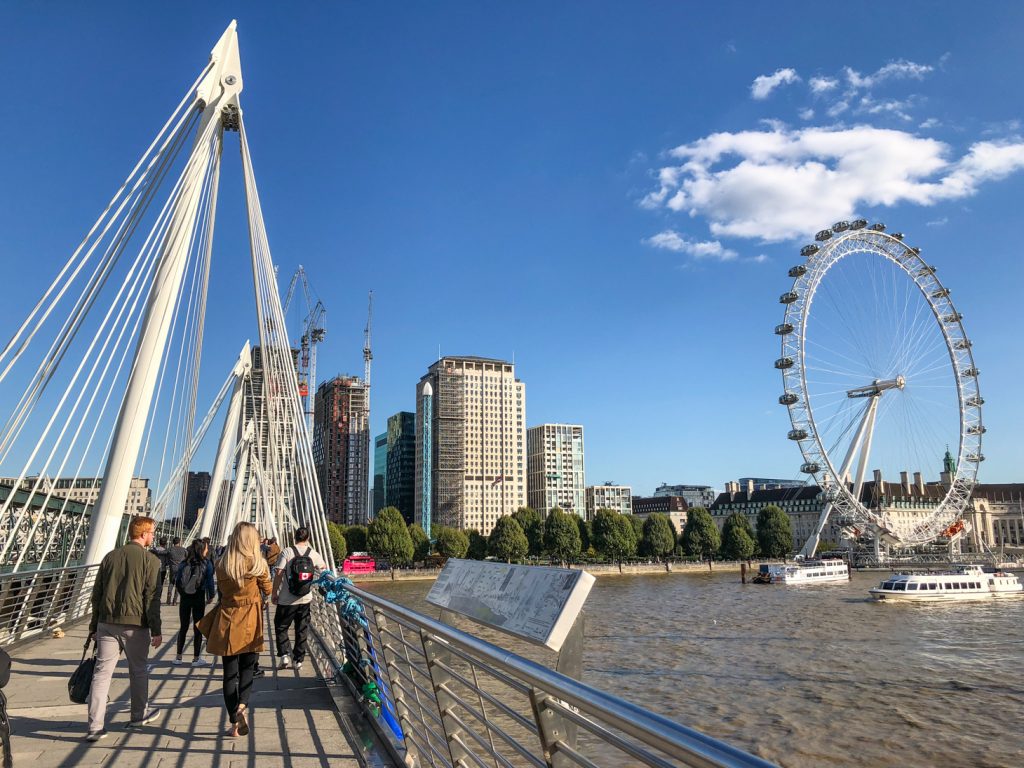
column 808, row 572
column 964, row 583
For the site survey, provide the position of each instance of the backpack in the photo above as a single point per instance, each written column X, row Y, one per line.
column 190, row 577
column 301, row 572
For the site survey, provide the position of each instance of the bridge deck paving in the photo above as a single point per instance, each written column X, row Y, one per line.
column 293, row 718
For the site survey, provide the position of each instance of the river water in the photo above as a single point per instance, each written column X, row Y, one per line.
column 807, row 676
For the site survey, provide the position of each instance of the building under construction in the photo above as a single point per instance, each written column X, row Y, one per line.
column 341, row 448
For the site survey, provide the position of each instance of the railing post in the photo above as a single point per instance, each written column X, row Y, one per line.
column 397, row 691
column 435, row 653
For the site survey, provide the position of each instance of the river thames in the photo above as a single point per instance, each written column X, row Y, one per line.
column 806, row 676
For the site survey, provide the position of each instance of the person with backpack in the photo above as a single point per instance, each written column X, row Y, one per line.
column 176, row 555
column 234, row 629
column 194, row 582
column 293, row 596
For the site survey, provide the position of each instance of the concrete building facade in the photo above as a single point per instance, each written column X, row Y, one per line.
column 554, row 468
column 693, row 495
column 341, row 448
column 618, row 498
column 474, row 442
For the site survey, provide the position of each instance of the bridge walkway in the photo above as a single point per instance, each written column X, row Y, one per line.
column 293, row 717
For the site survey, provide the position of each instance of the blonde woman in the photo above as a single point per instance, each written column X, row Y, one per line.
column 234, row 629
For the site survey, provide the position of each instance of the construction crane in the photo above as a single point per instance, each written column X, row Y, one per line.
column 312, row 333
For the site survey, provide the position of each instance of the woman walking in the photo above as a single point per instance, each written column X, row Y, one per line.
column 234, row 629
column 194, row 582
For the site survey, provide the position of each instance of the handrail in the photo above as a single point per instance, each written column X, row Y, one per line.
column 559, row 706
column 32, row 602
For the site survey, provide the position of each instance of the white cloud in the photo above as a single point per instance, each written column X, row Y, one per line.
column 823, row 84
column 931, row 122
column 838, row 108
column 759, row 259
column 890, row 107
column 670, row 240
column 765, row 84
column 778, row 184
column 940, row 222
column 806, row 114
column 894, row 70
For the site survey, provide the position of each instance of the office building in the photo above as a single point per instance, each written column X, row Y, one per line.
column 673, row 506
column 341, row 448
column 85, row 490
column 401, row 464
column 554, row 468
column 474, row 443
column 197, row 487
column 380, row 470
column 694, row 495
column 609, row 496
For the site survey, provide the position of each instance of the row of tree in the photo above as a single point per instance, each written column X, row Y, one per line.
column 567, row 538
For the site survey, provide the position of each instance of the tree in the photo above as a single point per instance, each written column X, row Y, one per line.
column 737, row 538
column 638, row 526
column 614, row 536
column 355, row 535
column 586, row 533
column 561, row 536
column 507, row 541
column 339, row 547
column 700, row 535
column 477, row 545
column 388, row 538
column 533, row 527
column 774, row 532
column 659, row 536
column 420, row 542
column 450, row 542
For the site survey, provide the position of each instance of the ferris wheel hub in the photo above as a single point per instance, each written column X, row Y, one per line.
column 877, row 387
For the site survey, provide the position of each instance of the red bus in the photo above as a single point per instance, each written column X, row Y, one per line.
column 359, row 562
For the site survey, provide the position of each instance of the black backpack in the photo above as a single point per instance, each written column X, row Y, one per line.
column 301, row 572
column 190, row 577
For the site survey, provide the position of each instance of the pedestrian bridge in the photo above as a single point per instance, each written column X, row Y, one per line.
column 295, row 721
column 384, row 685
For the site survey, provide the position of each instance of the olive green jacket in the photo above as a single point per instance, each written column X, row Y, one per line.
column 127, row 589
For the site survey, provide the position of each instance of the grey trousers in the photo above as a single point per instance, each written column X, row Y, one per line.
column 110, row 638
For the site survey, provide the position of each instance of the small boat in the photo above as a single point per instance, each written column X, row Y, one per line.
column 965, row 583
column 807, row 572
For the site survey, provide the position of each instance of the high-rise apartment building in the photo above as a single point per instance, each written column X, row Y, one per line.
column 554, row 468
column 341, row 448
column 401, row 464
column 380, row 473
column 474, row 443
column 615, row 497
column 197, row 488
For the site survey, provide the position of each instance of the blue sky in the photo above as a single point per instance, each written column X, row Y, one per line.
column 610, row 193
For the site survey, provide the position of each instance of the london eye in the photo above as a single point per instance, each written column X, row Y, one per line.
column 878, row 372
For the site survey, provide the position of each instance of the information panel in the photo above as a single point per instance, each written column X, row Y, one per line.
column 535, row 603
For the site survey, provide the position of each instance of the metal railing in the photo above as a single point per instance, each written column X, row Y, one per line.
column 451, row 699
column 33, row 602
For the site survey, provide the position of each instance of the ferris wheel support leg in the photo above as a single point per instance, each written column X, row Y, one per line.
column 868, row 431
column 866, row 426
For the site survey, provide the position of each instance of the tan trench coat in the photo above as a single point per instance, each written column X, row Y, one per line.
column 236, row 624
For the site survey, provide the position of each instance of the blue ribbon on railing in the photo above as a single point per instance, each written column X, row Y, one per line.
column 335, row 592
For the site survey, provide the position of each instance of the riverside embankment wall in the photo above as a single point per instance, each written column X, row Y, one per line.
column 603, row 569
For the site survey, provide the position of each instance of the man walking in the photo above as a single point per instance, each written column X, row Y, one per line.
column 176, row 555
column 293, row 595
column 125, row 616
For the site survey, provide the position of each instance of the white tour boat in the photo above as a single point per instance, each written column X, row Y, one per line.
column 807, row 572
column 964, row 583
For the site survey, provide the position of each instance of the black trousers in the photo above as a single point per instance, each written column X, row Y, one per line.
column 238, row 672
column 190, row 610
column 284, row 617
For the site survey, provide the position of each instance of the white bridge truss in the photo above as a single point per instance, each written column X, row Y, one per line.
column 104, row 370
